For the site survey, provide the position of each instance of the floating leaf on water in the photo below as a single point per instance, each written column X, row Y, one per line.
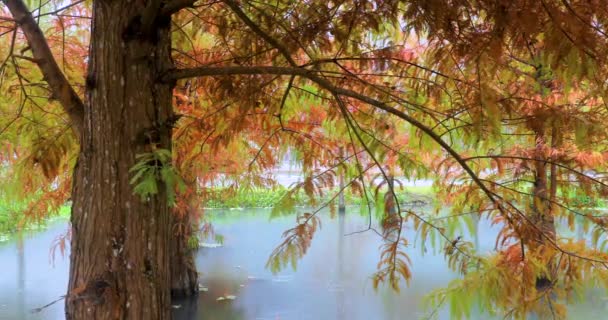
column 282, row 279
column 209, row 245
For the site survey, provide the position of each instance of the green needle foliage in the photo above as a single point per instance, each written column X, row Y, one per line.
column 152, row 169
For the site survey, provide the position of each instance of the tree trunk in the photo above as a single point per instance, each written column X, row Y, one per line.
column 120, row 243
column 341, row 173
column 542, row 216
column 541, row 213
column 184, row 277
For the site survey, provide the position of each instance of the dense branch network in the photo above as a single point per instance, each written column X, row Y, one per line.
column 43, row 57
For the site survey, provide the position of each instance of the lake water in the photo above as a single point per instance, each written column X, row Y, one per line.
column 29, row 278
column 331, row 282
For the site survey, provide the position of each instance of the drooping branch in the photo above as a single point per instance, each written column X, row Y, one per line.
column 545, row 161
column 323, row 83
column 269, row 39
column 327, row 85
column 60, row 87
column 178, row 74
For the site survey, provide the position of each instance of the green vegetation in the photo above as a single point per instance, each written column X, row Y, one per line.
column 266, row 198
column 10, row 215
column 12, row 218
column 580, row 199
column 153, row 168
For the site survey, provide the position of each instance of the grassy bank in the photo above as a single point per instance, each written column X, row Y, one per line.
column 12, row 218
column 266, row 198
column 10, row 215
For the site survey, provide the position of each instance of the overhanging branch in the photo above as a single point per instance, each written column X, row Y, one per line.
column 43, row 57
column 327, row 85
column 174, row 75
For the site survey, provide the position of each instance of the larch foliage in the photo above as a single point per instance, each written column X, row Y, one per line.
column 501, row 103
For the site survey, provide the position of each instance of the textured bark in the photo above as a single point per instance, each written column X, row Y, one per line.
column 184, row 277
column 120, row 243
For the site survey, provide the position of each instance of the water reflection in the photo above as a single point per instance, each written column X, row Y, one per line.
column 20, row 275
column 340, row 305
column 331, row 282
column 28, row 279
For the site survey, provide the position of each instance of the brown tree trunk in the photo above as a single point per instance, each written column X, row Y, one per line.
column 555, row 143
column 341, row 200
column 120, row 244
column 184, row 277
column 542, row 215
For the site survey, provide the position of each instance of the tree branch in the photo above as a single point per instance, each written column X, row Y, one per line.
column 43, row 57
column 255, row 28
column 327, row 85
column 551, row 162
column 175, row 6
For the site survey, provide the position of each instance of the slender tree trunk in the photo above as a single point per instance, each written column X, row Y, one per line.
column 390, row 195
column 341, row 200
column 120, row 243
column 555, row 143
column 542, row 216
column 541, row 207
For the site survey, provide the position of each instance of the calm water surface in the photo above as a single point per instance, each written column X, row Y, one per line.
column 29, row 277
column 331, row 282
